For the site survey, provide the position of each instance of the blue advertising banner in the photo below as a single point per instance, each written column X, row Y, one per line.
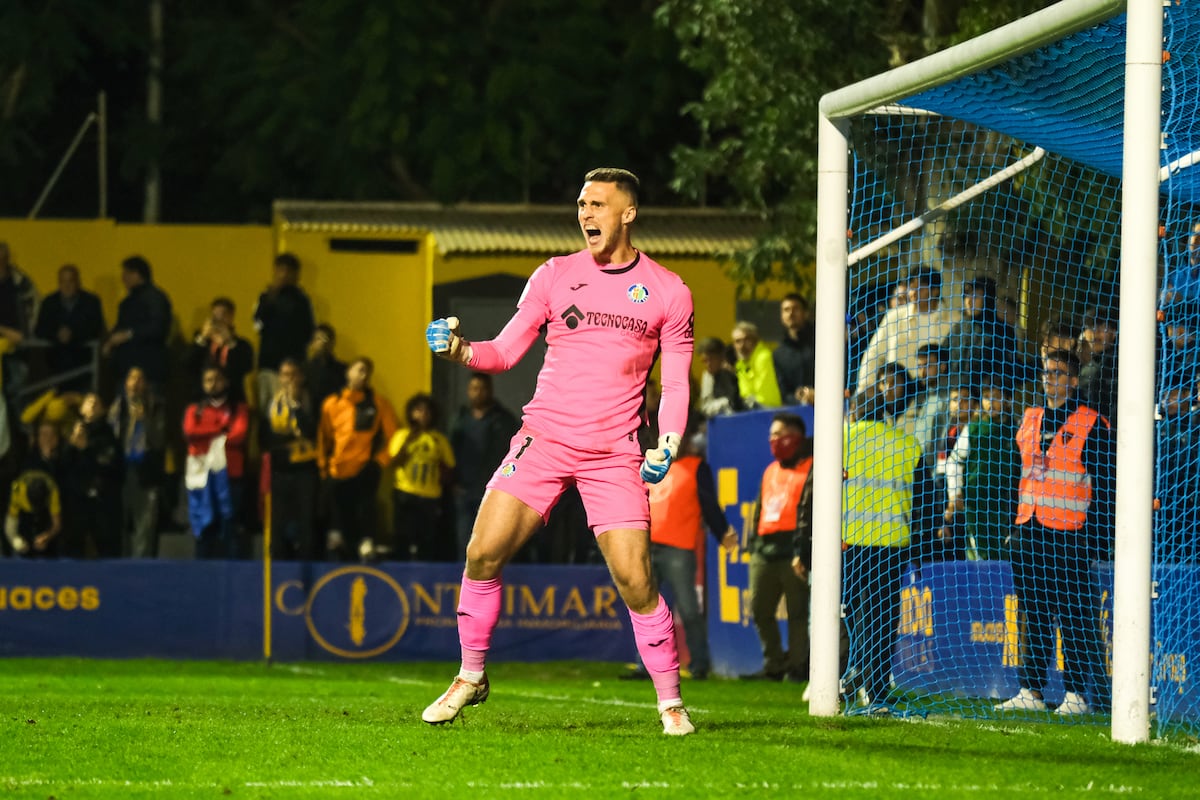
column 737, row 453
column 214, row 609
column 960, row 628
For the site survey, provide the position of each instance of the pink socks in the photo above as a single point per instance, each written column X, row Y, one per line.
column 478, row 613
column 655, row 637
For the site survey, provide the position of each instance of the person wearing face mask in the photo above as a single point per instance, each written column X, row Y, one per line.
column 215, row 431
column 779, row 537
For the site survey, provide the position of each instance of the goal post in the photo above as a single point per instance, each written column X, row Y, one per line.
column 964, row 161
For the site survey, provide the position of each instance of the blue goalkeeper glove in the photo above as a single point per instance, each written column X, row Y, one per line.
column 442, row 337
column 658, row 460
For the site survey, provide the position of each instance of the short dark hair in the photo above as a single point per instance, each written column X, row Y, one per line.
column 328, row 330
column 71, row 268
column 791, row 420
column 795, row 297
column 711, row 346
column 926, row 276
column 625, row 180
column 481, row 376
column 288, row 261
column 223, row 302
column 366, row 362
column 1066, row 357
column 138, row 265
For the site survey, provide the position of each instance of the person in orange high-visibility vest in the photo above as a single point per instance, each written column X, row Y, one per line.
column 779, row 538
column 682, row 505
column 1064, row 521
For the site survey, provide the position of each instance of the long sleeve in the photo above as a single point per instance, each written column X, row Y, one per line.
column 513, row 342
column 710, row 509
column 803, row 539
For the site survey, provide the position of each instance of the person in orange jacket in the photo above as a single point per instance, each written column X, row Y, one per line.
column 356, row 426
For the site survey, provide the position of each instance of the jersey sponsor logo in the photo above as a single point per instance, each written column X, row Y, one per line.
column 638, row 293
column 690, row 331
column 508, row 470
column 572, row 317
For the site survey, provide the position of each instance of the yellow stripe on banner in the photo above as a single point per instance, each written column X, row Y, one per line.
column 727, row 486
column 266, row 546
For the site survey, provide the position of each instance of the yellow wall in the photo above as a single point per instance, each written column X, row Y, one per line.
column 378, row 302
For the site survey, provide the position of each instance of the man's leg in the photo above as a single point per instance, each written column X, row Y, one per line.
column 765, row 591
column 627, row 552
column 676, row 567
column 503, row 524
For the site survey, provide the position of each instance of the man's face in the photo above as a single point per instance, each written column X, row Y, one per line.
column 130, row 278
column 793, row 314
column 1058, row 381
column 604, row 213
column 222, row 315
column 135, row 383
column 48, row 437
column 899, row 296
column 282, row 276
column 1055, row 342
column 744, row 343
column 479, row 393
column 973, row 303
column 713, row 362
column 920, row 295
column 68, row 282
column 928, row 368
column 356, row 376
column 289, row 376
column 214, row 383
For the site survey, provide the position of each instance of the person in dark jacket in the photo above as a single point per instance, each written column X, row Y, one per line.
column 285, row 324
column 217, row 344
column 139, row 337
column 796, row 356
column 479, row 436
column 92, row 485
column 139, row 419
column 70, row 320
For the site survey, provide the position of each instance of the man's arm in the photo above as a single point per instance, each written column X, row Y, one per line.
column 710, row 508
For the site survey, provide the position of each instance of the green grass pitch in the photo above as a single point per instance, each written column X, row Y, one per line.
column 140, row 729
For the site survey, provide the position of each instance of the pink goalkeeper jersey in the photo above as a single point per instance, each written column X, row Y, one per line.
column 604, row 328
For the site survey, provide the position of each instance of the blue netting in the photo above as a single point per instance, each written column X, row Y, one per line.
column 978, row 610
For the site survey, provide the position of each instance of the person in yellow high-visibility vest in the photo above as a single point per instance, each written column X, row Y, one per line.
column 888, row 497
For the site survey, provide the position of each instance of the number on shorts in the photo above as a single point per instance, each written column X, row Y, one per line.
column 528, row 441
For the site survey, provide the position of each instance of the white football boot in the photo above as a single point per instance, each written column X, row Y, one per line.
column 676, row 721
column 462, row 693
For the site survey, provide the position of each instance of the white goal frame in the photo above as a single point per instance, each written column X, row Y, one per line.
column 1138, row 291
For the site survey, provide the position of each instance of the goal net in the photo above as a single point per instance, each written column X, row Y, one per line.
column 982, row 276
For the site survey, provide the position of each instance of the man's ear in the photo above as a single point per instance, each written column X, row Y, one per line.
column 629, row 215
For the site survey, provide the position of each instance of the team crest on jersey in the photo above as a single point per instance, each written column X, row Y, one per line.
column 638, row 293
column 508, row 470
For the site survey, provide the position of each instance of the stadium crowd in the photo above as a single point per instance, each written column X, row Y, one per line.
column 98, row 464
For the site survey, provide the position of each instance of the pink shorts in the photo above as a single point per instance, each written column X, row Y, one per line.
column 537, row 470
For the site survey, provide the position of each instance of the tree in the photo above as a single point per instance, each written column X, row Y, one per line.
column 766, row 65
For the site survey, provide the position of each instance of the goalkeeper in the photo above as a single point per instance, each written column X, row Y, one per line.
column 607, row 311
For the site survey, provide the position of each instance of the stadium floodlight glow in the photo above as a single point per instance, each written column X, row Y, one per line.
column 1036, row 155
